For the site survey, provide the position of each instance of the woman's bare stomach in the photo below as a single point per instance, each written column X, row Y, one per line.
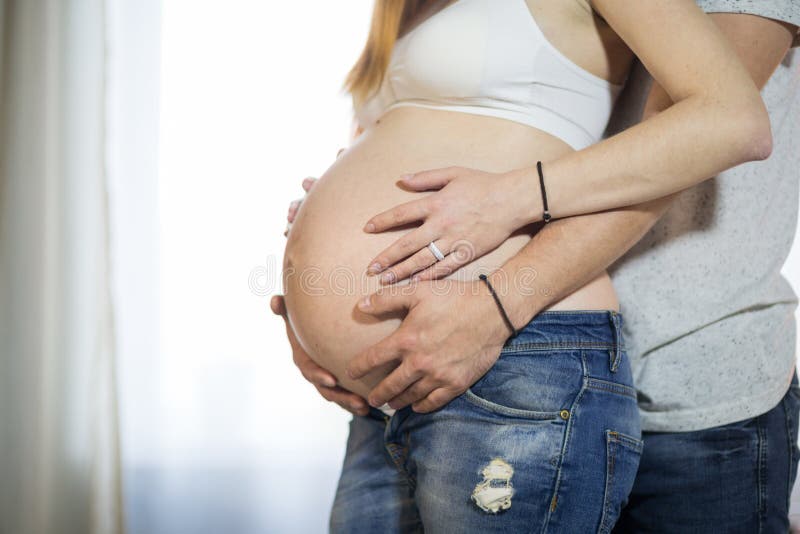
column 327, row 252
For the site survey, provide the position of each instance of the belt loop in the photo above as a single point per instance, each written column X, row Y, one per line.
column 616, row 352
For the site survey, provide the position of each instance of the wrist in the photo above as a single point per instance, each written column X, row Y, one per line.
column 525, row 196
column 518, row 292
column 491, row 316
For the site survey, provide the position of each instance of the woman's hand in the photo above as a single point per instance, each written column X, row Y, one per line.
column 324, row 381
column 294, row 205
column 319, row 377
column 446, row 342
column 471, row 214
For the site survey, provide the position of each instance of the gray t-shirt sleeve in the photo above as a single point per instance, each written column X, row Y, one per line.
column 785, row 10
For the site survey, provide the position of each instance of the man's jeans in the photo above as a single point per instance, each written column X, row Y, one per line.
column 729, row 479
column 547, row 441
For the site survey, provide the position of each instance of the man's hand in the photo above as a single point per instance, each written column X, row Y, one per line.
column 319, row 377
column 451, row 336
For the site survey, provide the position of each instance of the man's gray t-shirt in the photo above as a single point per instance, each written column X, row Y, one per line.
column 708, row 318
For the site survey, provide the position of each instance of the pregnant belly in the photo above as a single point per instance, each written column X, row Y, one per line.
column 327, row 252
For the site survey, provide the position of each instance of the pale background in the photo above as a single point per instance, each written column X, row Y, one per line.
column 220, row 431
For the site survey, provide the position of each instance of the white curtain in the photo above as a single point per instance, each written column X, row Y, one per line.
column 59, row 459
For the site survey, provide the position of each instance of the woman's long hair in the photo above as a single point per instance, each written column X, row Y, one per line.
column 389, row 19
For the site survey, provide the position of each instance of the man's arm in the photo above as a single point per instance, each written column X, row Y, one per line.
column 568, row 253
column 441, row 354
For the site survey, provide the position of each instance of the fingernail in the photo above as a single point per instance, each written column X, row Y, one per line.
column 369, row 227
column 375, row 268
column 373, row 403
column 406, row 177
column 307, row 182
column 388, row 278
column 364, row 303
column 415, row 278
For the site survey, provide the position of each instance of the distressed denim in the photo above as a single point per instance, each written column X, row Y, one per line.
column 734, row 478
column 548, row 440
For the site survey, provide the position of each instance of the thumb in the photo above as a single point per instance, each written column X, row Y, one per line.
column 432, row 179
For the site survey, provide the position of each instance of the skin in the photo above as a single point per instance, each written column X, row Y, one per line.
column 696, row 137
column 326, row 236
column 587, row 244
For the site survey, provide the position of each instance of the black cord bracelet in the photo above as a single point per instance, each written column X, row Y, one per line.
column 546, row 217
column 514, row 331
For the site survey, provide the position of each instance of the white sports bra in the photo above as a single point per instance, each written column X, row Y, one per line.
column 489, row 57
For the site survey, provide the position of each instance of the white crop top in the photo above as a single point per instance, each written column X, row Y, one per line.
column 489, row 57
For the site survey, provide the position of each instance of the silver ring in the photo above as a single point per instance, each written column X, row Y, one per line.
column 435, row 251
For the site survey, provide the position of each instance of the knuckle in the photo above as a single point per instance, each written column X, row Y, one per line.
column 439, row 375
column 407, row 340
column 422, row 361
column 414, row 365
column 461, row 384
column 451, row 380
column 404, row 244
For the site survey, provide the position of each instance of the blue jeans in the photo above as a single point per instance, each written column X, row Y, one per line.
column 735, row 478
column 547, row 441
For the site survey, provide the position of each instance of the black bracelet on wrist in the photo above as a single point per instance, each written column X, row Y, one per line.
column 514, row 331
column 546, row 216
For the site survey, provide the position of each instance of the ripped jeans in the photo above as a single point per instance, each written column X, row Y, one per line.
column 547, row 441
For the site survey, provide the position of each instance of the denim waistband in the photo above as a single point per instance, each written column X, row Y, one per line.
column 601, row 329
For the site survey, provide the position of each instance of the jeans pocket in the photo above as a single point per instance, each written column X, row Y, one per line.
column 538, row 385
column 622, row 461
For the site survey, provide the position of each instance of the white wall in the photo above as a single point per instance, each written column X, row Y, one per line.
column 250, row 106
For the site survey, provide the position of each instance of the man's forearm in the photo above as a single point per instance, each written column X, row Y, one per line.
column 670, row 152
column 569, row 253
column 642, row 163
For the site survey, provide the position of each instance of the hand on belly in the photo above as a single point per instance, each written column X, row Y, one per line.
column 328, row 250
column 450, row 337
column 470, row 213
